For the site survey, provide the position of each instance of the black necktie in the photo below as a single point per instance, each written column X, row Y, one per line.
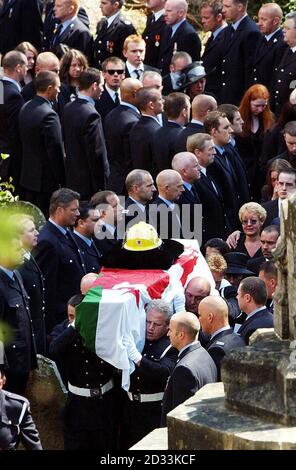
column 152, row 18
column 116, row 98
column 209, row 41
column 232, row 32
column 137, row 72
column 194, row 194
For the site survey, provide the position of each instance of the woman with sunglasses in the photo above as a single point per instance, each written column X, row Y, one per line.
column 252, row 217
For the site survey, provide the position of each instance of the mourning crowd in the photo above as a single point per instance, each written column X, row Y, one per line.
column 128, row 143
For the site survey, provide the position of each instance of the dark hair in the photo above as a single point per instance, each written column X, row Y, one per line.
column 290, row 128
column 45, row 79
column 66, row 62
column 228, row 110
column 175, row 103
column 288, row 171
column 217, row 243
column 62, row 198
column 212, row 121
column 135, row 177
column 278, row 165
column 101, row 197
column 75, row 300
column 88, row 77
column 84, row 208
column 255, row 287
column 269, row 269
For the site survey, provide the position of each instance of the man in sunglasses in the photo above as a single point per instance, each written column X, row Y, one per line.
column 113, row 73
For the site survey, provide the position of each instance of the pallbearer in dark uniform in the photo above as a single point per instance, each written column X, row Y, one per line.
column 179, row 36
column 284, row 76
column 88, row 414
column 83, row 233
column 15, row 319
column 143, row 403
column 58, row 257
column 271, row 47
column 16, row 422
column 213, row 317
column 33, row 281
column 154, row 30
column 140, row 188
column 111, row 32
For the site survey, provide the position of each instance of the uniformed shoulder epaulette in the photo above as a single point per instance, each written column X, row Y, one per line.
column 127, row 22
column 14, row 396
column 220, row 343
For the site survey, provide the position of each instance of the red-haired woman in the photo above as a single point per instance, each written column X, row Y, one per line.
column 258, row 118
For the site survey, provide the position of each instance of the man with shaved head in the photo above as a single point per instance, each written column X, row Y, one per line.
column 117, row 126
column 195, row 367
column 200, row 107
column 179, row 36
column 213, row 317
column 164, row 212
column 271, row 46
column 186, row 164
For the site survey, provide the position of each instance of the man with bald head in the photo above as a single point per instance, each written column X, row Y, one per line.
column 200, row 107
column 164, row 213
column 179, row 36
column 186, row 164
column 271, row 46
column 213, row 317
column 117, row 126
column 195, row 367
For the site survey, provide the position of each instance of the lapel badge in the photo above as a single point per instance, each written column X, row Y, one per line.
column 275, row 40
column 10, row 13
column 157, row 39
column 111, row 45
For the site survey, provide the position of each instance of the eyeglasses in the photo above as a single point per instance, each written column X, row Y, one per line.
column 112, row 71
column 249, row 221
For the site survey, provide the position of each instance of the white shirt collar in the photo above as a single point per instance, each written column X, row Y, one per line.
column 269, row 36
column 141, row 206
column 112, row 18
column 153, row 117
column 129, row 105
column 217, row 31
column 112, row 92
column 236, row 24
column 187, row 346
column 11, row 80
column 158, row 14
column 254, row 312
column 224, row 328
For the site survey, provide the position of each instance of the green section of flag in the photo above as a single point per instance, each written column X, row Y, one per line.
column 89, row 308
column 4, row 156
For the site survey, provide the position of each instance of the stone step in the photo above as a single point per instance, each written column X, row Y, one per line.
column 155, row 440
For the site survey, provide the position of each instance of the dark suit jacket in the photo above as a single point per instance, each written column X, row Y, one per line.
column 236, row 58
column 253, row 264
column 20, row 348
column 210, row 60
column 75, row 36
column 87, row 167
column 61, row 263
column 167, row 85
column 166, row 222
column 243, row 186
column 141, row 137
column 135, row 214
column 188, row 215
column 190, row 129
column 273, row 145
column 228, row 182
column 50, row 23
column 152, row 35
column 29, row 92
column 283, row 82
column 164, row 145
column 105, row 104
column 34, row 285
column 10, row 142
column 106, row 244
column 20, row 20
column 214, row 220
column 286, row 155
column 272, row 209
column 221, row 344
column 43, row 152
column 145, row 68
column 194, row 369
column 110, row 42
column 117, row 128
column 91, row 255
column 267, row 56
column 262, row 319
column 185, row 39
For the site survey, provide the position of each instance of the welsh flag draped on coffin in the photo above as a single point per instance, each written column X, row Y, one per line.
column 111, row 318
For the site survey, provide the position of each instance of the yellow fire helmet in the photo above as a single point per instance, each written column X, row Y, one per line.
column 141, row 237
